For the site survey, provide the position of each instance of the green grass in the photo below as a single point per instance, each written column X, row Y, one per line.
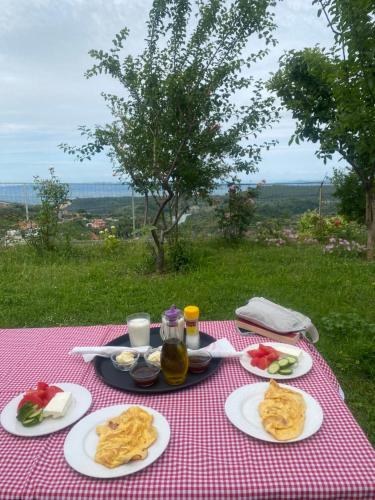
column 92, row 287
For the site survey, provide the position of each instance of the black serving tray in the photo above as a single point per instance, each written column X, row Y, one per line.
column 122, row 380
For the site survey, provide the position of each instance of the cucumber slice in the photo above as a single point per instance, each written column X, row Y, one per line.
column 30, row 414
column 26, row 410
column 30, row 422
column 274, row 368
column 285, row 371
column 283, row 362
column 37, row 413
column 292, row 360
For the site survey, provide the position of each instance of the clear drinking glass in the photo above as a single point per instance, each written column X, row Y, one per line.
column 139, row 329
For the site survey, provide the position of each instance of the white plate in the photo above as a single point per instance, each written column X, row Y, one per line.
column 241, row 407
column 80, row 443
column 80, row 404
column 303, row 366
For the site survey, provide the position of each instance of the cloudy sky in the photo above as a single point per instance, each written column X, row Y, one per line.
column 44, row 95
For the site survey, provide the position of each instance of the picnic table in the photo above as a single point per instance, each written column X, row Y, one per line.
column 207, row 456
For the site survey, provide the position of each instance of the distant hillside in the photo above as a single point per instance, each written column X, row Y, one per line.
column 286, row 200
column 274, row 201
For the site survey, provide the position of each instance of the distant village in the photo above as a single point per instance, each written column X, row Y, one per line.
column 20, row 230
column 18, row 224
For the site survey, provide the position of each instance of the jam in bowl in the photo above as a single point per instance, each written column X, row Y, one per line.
column 144, row 374
column 199, row 361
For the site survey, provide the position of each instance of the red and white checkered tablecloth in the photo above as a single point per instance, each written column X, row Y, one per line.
column 207, row 457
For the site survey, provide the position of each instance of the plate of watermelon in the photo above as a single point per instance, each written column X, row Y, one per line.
column 23, row 415
column 276, row 360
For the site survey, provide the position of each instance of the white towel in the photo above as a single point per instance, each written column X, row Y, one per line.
column 274, row 317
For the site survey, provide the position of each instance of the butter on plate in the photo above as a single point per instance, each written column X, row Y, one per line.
column 58, row 406
column 125, row 358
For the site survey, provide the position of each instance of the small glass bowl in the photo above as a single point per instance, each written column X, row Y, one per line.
column 151, row 352
column 124, row 367
column 144, row 374
column 198, row 362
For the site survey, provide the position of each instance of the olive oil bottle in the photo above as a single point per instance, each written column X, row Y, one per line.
column 174, row 358
column 174, row 361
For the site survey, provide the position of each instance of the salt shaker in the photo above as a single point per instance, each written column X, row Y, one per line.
column 191, row 314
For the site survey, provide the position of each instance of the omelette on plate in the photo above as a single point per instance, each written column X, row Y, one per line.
column 282, row 412
column 125, row 438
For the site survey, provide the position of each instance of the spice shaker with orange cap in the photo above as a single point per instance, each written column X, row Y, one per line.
column 191, row 315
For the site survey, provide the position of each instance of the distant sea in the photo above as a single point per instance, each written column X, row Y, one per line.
column 22, row 193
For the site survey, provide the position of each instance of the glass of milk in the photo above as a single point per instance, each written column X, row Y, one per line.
column 139, row 329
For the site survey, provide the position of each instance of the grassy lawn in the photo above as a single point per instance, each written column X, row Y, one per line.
column 92, row 287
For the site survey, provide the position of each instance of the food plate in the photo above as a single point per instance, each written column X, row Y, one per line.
column 302, row 368
column 122, row 380
column 241, row 407
column 80, row 444
column 81, row 403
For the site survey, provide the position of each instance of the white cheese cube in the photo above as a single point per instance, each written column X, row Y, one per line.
column 290, row 350
column 58, row 405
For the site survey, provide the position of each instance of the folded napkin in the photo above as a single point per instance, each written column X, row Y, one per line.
column 220, row 349
column 105, row 351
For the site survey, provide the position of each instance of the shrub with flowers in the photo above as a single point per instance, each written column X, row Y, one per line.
column 268, row 231
column 313, row 225
column 341, row 246
column 272, row 233
column 110, row 239
column 290, row 235
column 277, row 242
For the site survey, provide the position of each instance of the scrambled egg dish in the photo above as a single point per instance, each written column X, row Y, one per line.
column 282, row 412
column 125, row 438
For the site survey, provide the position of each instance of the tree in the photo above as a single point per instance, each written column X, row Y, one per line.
column 177, row 129
column 53, row 194
column 236, row 211
column 352, row 199
column 331, row 94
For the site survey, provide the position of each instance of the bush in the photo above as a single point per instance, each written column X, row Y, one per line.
column 343, row 247
column 109, row 237
column 313, row 225
column 351, row 195
column 272, row 233
column 180, row 255
column 269, row 232
column 53, row 195
column 236, row 212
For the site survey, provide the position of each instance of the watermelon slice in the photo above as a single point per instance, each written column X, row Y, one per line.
column 263, row 363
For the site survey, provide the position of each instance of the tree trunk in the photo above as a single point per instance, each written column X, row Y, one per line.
column 176, row 217
column 159, row 251
column 159, row 241
column 370, row 220
column 160, row 260
column 145, row 220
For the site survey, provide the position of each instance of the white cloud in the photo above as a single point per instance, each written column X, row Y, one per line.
column 44, row 95
column 13, row 128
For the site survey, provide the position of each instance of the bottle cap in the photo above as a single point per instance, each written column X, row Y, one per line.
column 191, row 312
column 172, row 314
